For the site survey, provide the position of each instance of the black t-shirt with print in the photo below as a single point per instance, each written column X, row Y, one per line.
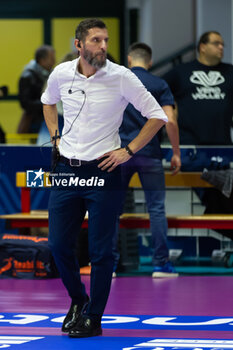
column 204, row 95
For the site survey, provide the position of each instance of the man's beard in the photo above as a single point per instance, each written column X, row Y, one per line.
column 97, row 61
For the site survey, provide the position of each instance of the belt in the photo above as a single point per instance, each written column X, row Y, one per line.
column 76, row 162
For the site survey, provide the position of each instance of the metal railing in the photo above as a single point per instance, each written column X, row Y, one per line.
column 175, row 59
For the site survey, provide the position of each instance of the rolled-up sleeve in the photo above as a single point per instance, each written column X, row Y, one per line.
column 136, row 93
column 51, row 94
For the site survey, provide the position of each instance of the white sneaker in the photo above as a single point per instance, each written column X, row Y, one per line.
column 167, row 270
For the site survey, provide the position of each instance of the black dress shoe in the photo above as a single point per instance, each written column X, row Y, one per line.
column 73, row 315
column 86, row 327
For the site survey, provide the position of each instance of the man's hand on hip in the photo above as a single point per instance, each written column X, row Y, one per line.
column 113, row 158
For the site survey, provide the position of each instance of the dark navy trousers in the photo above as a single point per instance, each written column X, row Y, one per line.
column 67, row 208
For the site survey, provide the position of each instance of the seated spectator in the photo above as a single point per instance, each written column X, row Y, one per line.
column 31, row 85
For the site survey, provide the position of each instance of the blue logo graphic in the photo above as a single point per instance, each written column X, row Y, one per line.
column 126, row 322
column 7, row 341
column 112, row 343
column 182, row 344
column 35, row 178
column 38, row 338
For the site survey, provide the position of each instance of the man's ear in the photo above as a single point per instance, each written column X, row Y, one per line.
column 129, row 61
column 77, row 44
column 202, row 48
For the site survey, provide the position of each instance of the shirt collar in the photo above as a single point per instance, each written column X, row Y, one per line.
column 100, row 71
column 138, row 68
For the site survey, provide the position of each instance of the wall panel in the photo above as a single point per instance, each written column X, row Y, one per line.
column 19, row 39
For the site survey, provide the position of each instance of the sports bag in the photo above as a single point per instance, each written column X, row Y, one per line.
column 26, row 257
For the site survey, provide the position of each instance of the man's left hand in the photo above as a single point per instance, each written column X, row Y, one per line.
column 113, row 158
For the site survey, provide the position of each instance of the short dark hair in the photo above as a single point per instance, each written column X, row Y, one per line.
column 140, row 51
column 82, row 29
column 42, row 52
column 204, row 39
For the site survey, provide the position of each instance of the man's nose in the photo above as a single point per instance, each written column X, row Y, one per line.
column 103, row 45
column 221, row 45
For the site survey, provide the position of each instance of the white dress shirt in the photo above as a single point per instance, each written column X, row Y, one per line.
column 99, row 102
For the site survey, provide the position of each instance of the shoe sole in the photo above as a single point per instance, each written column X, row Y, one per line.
column 81, row 335
column 65, row 331
column 164, row 274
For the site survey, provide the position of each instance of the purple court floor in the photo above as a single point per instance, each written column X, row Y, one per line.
column 193, row 312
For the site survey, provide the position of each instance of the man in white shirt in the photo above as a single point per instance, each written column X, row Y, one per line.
column 94, row 93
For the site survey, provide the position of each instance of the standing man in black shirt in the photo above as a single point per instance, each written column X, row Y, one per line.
column 203, row 91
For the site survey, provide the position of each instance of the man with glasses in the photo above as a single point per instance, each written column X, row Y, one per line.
column 203, row 91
